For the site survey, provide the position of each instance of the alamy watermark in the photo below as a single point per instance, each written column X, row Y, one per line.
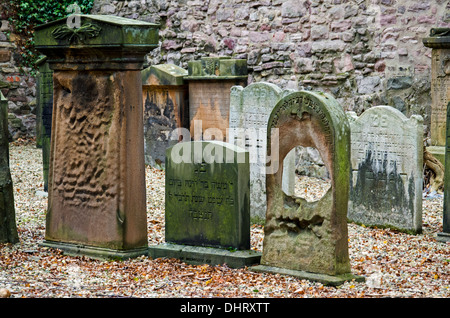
column 248, row 139
column 73, row 20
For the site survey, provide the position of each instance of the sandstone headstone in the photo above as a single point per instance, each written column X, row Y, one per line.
column 166, row 107
column 301, row 238
column 444, row 236
column 387, row 163
column 8, row 229
column 207, row 202
column 44, row 112
column 250, row 108
column 96, row 191
column 210, row 80
column 439, row 42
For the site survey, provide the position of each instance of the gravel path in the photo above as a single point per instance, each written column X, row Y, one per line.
column 394, row 264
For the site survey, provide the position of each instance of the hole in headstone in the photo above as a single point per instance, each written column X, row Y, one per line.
column 311, row 178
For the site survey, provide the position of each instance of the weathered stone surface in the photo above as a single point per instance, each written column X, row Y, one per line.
column 444, row 236
column 301, row 235
column 8, row 229
column 166, row 107
column 207, row 195
column 250, row 108
column 439, row 41
column 387, row 163
column 44, row 83
column 210, row 81
column 97, row 173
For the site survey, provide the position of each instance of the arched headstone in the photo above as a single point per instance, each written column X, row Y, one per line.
column 308, row 239
column 387, row 163
column 250, row 108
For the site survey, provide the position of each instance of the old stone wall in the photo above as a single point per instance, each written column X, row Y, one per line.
column 363, row 52
column 17, row 86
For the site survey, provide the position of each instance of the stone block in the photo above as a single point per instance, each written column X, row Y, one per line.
column 166, row 108
column 96, row 171
column 210, row 81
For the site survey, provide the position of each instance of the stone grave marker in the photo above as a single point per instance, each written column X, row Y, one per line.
column 309, row 239
column 44, row 112
column 387, row 163
column 96, row 191
column 166, row 107
column 8, row 228
column 210, row 80
column 439, row 42
column 250, row 108
column 444, row 236
column 207, row 217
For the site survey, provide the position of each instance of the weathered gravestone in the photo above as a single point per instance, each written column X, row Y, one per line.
column 44, row 112
column 8, row 229
column 97, row 201
column 210, row 80
column 250, row 108
column 439, row 42
column 207, row 217
column 444, row 236
column 309, row 239
column 166, row 107
column 387, row 162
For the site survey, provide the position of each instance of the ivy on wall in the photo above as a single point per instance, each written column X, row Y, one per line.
column 24, row 15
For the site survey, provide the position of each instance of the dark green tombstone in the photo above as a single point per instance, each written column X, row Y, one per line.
column 8, row 229
column 444, row 236
column 44, row 113
column 96, row 190
column 207, row 205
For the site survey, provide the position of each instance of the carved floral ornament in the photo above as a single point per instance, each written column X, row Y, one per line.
column 87, row 30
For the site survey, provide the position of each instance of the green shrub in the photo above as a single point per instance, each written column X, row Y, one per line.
column 24, row 15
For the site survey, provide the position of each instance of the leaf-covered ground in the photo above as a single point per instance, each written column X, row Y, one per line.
column 394, row 264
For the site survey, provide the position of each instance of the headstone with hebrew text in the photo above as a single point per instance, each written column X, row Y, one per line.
column 207, row 203
column 387, row 162
column 250, row 108
column 301, row 238
column 439, row 42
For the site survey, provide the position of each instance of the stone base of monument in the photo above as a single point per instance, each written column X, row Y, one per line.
column 331, row 280
column 95, row 252
column 443, row 237
column 438, row 152
column 197, row 255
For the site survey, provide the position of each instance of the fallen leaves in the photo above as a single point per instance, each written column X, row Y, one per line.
column 394, row 264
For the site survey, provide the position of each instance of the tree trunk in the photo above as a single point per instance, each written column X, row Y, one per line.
column 436, row 181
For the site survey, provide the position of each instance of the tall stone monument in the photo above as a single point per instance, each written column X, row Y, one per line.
column 97, row 201
column 207, row 217
column 44, row 112
column 387, row 162
column 8, row 229
column 166, row 107
column 439, row 42
column 210, row 80
column 301, row 238
column 250, row 108
column 444, row 236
